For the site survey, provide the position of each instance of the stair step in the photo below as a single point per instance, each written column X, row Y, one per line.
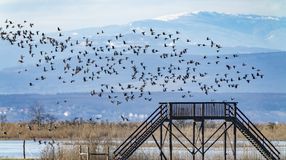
column 140, row 138
column 254, row 139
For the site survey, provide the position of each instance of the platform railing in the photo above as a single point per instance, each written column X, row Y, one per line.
column 200, row 109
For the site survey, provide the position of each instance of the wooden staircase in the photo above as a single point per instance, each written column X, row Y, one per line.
column 257, row 139
column 141, row 134
column 197, row 111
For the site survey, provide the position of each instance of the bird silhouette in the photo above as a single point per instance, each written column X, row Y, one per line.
column 124, row 118
column 111, row 57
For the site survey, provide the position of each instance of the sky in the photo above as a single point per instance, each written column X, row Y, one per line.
column 75, row 14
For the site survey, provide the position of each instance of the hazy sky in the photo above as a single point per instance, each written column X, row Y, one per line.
column 73, row 14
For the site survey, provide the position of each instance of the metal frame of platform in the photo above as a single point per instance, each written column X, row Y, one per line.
column 199, row 112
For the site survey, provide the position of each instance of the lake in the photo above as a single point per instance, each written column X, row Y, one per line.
column 14, row 148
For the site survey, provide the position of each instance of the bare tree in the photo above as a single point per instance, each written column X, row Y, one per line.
column 37, row 112
column 3, row 119
column 40, row 116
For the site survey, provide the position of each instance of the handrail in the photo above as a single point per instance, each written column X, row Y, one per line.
column 262, row 139
column 197, row 102
column 137, row 129
column 255, row 130
column 249, row 126
column 209, row 109
column 140, row 137
column 141, row 128
column 140, row 142
column 259, row 131
column 136, row 136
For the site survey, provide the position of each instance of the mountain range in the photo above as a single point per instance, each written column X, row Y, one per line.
column 258, row 40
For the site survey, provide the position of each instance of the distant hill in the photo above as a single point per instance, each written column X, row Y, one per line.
column 272, row 66
column 259, row 107
column 236, row 33
column 258, row 40
column 261, row 37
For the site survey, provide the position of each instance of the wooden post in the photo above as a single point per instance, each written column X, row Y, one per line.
column 24, row 149
column 53, row 151
column 59, row 149
column 107, row 154
column 87, row 156
column 80, row 152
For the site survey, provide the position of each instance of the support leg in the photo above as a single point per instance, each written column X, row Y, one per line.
column 224, row 140
column 234, row 142
column 203, row 139
column 161, row 142
column 170, row 140
column 194, row 139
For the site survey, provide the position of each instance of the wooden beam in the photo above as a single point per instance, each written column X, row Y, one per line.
column 160, row 148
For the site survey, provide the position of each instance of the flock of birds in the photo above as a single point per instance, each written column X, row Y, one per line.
column 86, row 60
column 24, row 129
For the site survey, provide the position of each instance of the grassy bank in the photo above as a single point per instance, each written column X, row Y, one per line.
column 104, row 130
column 98, row 135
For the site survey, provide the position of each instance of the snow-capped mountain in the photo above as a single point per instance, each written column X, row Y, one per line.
column 253, row 31
column 236, row 33
column 261, row 37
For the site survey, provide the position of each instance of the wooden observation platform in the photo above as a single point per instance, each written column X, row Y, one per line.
column 199, row 112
